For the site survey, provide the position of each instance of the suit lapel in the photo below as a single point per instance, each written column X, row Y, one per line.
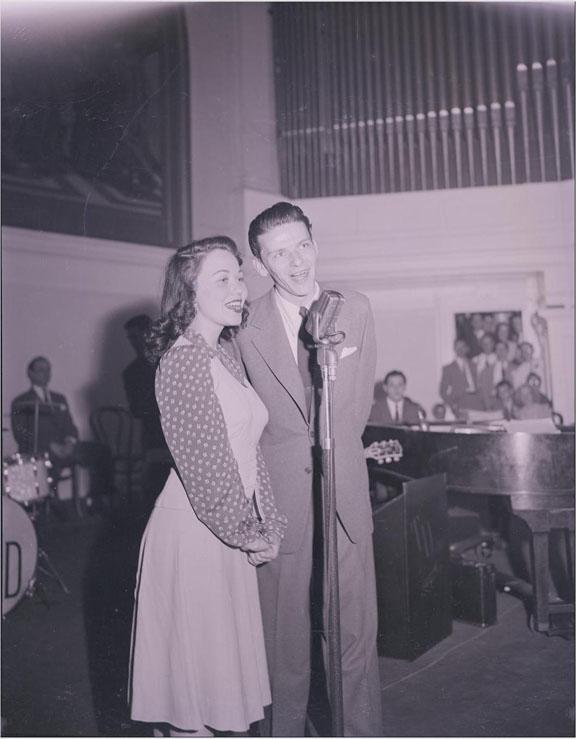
column 269, row 338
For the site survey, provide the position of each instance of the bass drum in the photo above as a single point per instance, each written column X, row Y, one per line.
column 19, row 553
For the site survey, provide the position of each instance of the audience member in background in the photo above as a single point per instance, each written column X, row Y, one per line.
column 138, row 380
column 504, row 400
column 489, row 324
column 502, row 333
column 502, row 365
column 458, row 387
column 42, row 422
column 484, row 364
column 516, row 332
column 528, row 364
column 536, row 382
column 528, row 404
column 441, row 412
column 395, row 407
column 476, row 333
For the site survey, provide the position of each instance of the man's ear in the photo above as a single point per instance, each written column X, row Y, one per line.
column 259, row 267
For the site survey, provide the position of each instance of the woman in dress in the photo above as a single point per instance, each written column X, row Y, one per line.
column 198, row 661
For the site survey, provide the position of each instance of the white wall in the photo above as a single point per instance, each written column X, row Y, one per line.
column 67, row 298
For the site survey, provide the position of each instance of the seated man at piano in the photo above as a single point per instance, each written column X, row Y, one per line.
column 395, row 408
column 41, row 419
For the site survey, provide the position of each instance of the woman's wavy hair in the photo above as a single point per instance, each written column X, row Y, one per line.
column 179, row 294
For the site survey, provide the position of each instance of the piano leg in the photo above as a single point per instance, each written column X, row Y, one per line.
column 540, row 577
column 541, row 523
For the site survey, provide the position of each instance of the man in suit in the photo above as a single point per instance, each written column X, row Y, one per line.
column 484, row 364
column 271, row 345
column 395, row 407
column 41, row 419
column 138, row 379
column 42, row 423
column 458, row 388
column 504, row 400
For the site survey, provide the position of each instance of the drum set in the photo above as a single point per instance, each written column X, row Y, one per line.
column 26, row 484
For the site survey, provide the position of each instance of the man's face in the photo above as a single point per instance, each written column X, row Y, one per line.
column 40, row 373
column 527, row 352
column 501, row 351
column 288, row 255
column 476, row 321
column 395, row 388
column 504, row 392
column 461, row 349
column 488, row 323
column 487, row 344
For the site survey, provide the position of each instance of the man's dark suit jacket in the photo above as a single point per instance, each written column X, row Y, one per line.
column 54, row 421
column 380, row 413
column 138, row 379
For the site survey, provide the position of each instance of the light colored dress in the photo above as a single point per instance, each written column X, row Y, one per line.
column 198, row 655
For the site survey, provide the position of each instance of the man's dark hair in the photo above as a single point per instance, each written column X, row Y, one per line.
column 277, row 215
column 32, row 362
column 141, row 322
column 395, row 373
column 504, row 383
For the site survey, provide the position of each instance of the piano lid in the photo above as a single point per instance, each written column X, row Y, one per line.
column 483, row 462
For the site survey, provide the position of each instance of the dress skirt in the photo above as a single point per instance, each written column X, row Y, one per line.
column 198, row 655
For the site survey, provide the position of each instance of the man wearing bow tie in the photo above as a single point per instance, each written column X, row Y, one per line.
column 279, row 360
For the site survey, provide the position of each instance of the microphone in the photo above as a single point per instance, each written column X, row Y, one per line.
column 321, row 321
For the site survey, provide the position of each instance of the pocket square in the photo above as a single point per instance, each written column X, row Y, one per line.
column 347, row 351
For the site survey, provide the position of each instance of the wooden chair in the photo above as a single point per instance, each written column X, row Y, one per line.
column 113, row 427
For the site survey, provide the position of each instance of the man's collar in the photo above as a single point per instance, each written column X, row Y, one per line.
column 293, row 307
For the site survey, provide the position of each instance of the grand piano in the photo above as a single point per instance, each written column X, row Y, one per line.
column 536, row 472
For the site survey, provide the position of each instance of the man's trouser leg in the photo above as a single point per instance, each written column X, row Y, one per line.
column 284, row 587
column 358, row 633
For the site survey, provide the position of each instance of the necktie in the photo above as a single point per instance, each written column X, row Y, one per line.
column 305, row 345
column 397, row 415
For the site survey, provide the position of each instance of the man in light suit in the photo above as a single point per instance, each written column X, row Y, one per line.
column 458, row 384
column 395, row 408
column 270, row 344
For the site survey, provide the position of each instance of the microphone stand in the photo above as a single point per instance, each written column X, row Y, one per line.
column 328, row 361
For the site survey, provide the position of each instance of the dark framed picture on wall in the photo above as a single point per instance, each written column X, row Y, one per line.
column 95, row 126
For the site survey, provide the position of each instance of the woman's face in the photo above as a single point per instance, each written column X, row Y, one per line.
column 220, row 289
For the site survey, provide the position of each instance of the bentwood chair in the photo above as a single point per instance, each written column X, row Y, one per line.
column 114, row 427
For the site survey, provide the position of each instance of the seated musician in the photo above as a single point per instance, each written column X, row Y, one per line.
column 395, row 408
column 42, row 423
column 41, row 419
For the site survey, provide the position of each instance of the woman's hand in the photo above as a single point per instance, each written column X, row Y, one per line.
column 261, row 551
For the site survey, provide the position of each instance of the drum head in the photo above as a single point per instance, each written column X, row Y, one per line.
column 19, row 553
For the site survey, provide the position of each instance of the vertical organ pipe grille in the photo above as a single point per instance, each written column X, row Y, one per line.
column 391, row 97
